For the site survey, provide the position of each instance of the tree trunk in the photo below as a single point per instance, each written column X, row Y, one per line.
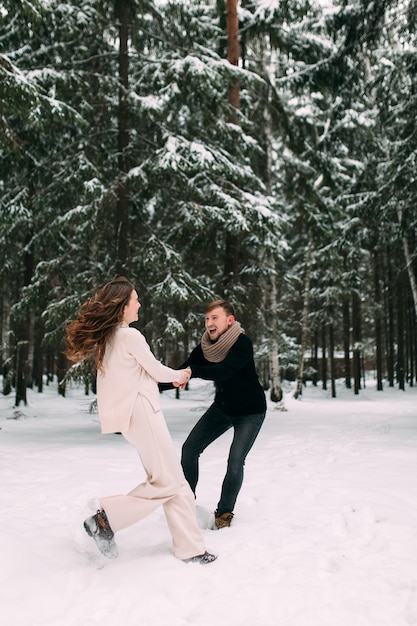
column 62, row 367
column 407, row 255
column 232, row 243
column 276, row 387
column 24, row 341
column 332, row 360
column 50, row 365
column 409, row 341
column 323, row 358
column 22, row 368
column 400, row 333
column 231, row 262
column 122, row 216
column 389, row 306
column 357, row 339
column 346, row 342
column 304, row 326
column 315, row 358
column 24, row 338
column 273, row 349
column 378, row 325
column 38, row 355
column 5, row 350
column 232, row 26
column 412, row 343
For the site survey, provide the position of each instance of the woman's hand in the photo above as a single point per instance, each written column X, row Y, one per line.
column 186, row 375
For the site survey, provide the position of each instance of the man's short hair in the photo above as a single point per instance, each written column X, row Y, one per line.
column 225, row 304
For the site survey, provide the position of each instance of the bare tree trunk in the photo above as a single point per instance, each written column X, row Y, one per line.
column 122, row 217
column 304, row 324
column 346, row 342
column 24, row 354
column 332, row 360
column 323, row 358
column 408, row 343
column 276, row 387
column 400, row 333
column 5, row 348
column 389, row 316
column 357, row 340
column 231, row 262
column 273, row 348
column 38, row 354
column 232, row 25
column 24, row 339
column 21, row 372
column 315, row 358
column 378, row 325
column 411, row 343
column 61, row 369
column 408, row 259
column 232, row 241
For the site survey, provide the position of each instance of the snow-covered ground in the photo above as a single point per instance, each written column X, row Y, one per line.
column 325, row 528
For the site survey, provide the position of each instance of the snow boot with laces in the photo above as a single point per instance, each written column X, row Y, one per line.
column 222, row 521
column 203, row 559
column 99, row 529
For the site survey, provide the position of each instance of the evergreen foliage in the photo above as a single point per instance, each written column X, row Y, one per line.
column 312, row 186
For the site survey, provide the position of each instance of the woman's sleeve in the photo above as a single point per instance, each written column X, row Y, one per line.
column 138, row 347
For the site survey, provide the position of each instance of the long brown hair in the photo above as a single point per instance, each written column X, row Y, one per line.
column 96, row 320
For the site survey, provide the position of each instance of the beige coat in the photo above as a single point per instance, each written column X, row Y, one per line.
column 129, row 369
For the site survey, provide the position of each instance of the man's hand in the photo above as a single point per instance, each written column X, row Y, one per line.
column 186, row 377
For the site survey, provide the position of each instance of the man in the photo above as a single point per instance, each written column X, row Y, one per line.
column 225, row 355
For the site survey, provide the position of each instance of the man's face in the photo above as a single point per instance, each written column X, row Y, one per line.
column 217, row 322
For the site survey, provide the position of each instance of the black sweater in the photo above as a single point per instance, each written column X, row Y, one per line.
column 238, row 390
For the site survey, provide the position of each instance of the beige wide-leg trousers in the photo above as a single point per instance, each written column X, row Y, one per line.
column 165, row 484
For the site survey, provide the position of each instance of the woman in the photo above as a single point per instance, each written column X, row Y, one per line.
column 128, row 402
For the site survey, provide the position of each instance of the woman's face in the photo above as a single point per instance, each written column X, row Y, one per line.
column 131, row 310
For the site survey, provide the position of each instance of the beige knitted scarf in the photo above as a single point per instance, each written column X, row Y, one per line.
column 217, row 351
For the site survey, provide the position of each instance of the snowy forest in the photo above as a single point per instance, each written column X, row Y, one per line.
column 262, row 151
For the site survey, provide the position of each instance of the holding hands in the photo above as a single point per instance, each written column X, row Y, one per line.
column 186, row 375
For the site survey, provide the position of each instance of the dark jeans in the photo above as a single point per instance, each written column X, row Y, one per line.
column 212, row 424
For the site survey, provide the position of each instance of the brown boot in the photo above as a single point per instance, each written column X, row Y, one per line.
column 221, row 521
column 99, row 529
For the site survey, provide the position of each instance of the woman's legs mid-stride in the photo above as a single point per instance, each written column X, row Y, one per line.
column 165, row 485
